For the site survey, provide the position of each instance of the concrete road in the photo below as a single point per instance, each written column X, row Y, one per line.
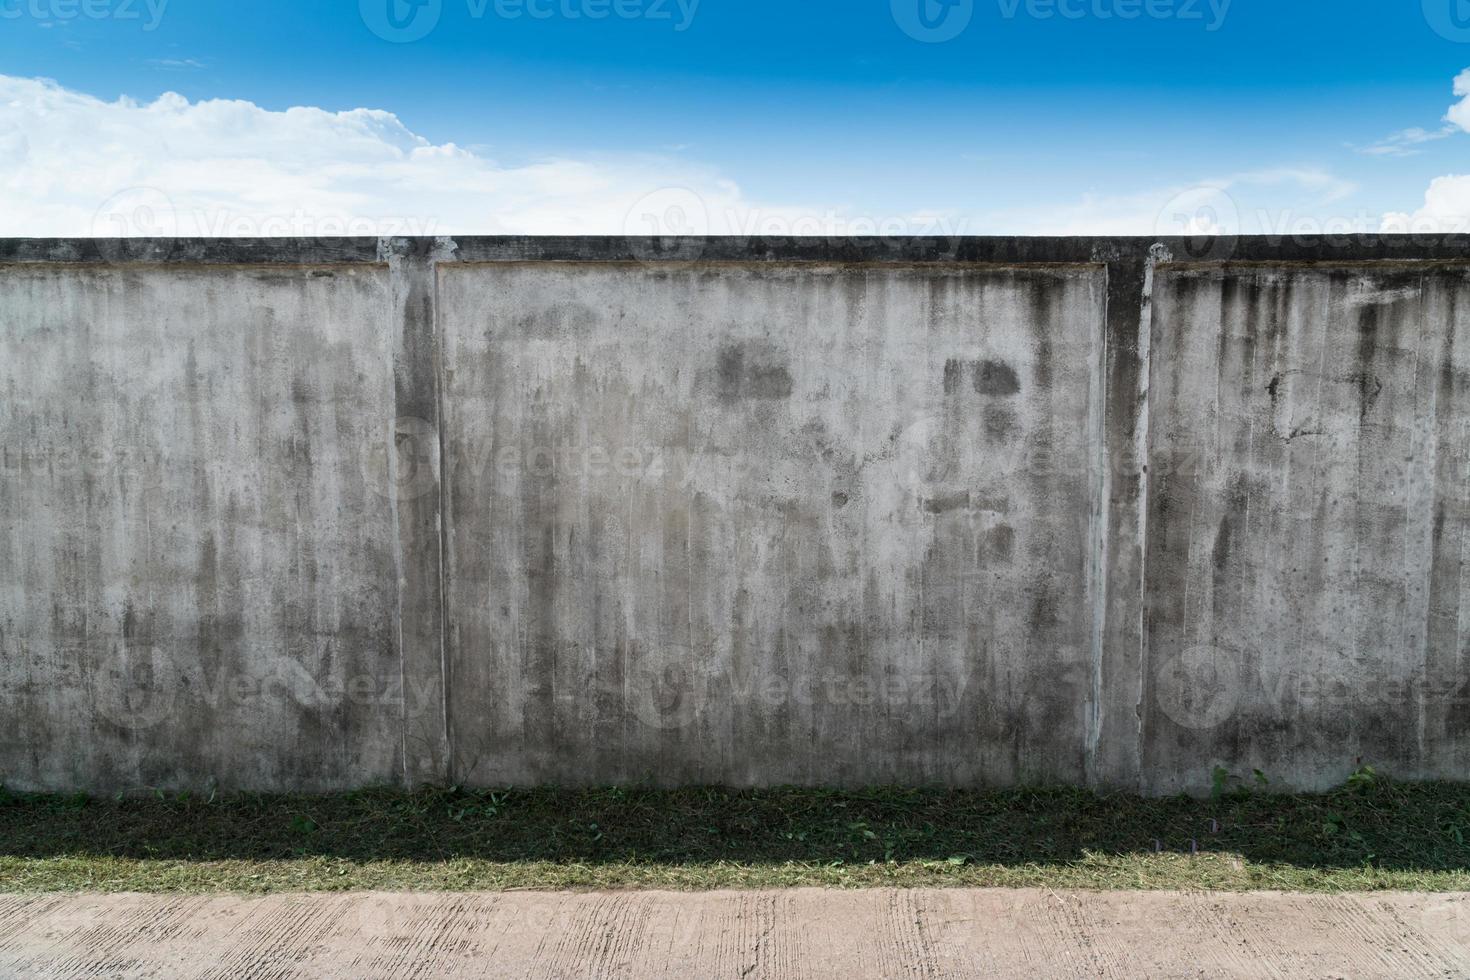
column 805, row 933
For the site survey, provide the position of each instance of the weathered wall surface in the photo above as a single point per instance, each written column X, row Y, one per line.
column 194, row 550
column 769, row 524
column 303, row 515
column 1307, row 511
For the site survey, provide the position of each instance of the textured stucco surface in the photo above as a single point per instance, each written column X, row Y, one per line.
column 310, row 515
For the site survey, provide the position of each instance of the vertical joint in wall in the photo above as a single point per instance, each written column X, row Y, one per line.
column 1114, row 743
column 418, row 499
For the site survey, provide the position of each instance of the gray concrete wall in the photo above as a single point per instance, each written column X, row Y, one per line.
column 315, row 515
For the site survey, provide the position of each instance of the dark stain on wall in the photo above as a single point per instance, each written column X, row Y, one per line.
column 1367, row 347
column 996, row 378
column 998, row 546
column 946, row 503
column 1369, row 386
column 1001, row 424
column 560, row 320
column 752, row 371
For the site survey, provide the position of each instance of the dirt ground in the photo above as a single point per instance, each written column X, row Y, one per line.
column 799, row 933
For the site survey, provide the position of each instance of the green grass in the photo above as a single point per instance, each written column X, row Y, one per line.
column 1370, row 835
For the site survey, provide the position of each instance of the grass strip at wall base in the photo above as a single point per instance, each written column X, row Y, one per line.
column 1372, row 834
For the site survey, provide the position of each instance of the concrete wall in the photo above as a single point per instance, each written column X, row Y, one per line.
column 312, row 515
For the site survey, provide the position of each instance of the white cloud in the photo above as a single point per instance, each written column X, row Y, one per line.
column 1447, row 201
column 1405, row 142
column 1272, row 201
column 177, row 64
column 1459, row 113
column 1446, row 209
column 75, row 165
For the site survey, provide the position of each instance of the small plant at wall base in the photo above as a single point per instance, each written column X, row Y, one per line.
column 1370, row 834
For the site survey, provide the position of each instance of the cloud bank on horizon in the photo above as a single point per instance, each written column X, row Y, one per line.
column 75, row 165
column 1447, row 201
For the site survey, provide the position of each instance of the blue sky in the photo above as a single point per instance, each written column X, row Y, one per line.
column 1028, row 120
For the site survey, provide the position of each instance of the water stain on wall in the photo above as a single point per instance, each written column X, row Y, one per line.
column 752, row 371
column 991, row 378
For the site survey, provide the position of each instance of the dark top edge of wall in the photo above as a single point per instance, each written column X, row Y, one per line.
column 1001, row 250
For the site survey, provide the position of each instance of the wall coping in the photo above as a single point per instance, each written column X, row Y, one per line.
column 926, row 250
